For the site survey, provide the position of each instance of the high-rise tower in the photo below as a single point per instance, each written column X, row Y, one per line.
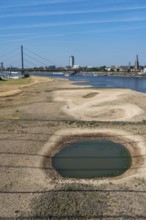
column 2, row 66
column 136, row 63
column 71, row 61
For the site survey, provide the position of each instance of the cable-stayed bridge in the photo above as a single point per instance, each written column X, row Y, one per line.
column 23, row 58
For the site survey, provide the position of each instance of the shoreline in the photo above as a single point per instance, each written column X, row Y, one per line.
column 15, row 89
column 92, row 73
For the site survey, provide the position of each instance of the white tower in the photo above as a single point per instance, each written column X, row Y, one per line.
column 71, row 61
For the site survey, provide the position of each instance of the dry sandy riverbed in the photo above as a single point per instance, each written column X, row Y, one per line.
column 41, row 114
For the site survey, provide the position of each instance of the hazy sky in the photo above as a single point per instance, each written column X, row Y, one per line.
column 96, row 32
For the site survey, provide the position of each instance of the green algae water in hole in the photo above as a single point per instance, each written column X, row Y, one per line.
column 92, row 159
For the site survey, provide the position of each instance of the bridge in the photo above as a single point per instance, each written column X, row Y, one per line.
column 23, row 59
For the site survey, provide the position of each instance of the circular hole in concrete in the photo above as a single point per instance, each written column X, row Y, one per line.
column 92, row 159
column 123, row 158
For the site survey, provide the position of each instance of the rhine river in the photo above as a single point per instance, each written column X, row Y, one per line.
column 134, row 83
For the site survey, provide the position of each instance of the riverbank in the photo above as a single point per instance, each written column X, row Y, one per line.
column 92, row 73
column 44, row 113
column 118, row 74
column 14, row 86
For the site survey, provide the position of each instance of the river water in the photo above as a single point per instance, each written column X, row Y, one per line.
column 134, row 83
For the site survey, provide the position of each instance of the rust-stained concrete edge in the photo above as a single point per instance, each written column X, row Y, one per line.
column 134, row 143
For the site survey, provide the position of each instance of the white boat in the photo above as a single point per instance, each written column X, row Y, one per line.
column 142, row 72
column 58, row 73
column 66, row 74
column 15, row 75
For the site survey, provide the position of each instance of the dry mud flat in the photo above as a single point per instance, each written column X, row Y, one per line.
column 33, row 120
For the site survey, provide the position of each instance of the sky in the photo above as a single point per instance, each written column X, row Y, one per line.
column 95, row 32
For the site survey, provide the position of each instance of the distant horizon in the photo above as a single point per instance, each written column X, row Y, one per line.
column 39, row 56
column 96, row 33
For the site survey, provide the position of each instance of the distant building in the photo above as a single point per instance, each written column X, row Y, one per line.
column 71, row 61
column 1, row 66
column 144, row 70
column 76, row 66
column 136, row 66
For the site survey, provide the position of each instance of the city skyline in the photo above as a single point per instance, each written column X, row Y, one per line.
column 104, row 32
